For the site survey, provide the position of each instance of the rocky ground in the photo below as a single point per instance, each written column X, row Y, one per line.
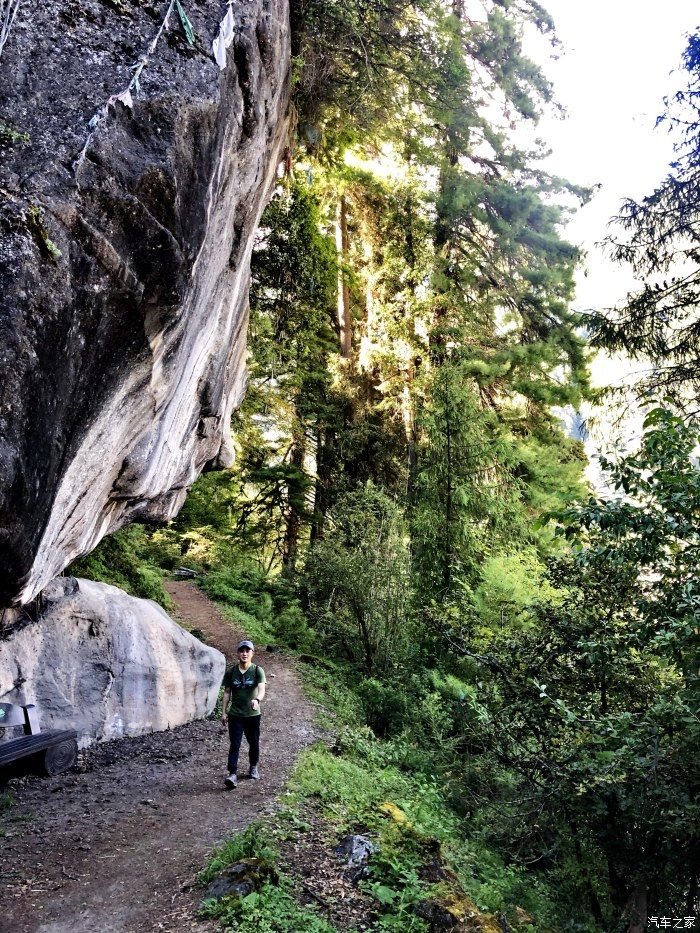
column 115, row 844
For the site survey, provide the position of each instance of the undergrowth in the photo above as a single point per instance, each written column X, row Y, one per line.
column 122, row 560
column 272, row 908
column 399, row 798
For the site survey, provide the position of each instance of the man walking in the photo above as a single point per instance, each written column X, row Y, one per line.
column 244, row 688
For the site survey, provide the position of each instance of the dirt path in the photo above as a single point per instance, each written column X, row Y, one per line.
column 115, row 844
column 197, row 611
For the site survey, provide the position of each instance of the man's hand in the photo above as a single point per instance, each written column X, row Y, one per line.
column 223, row 719
column 255, row 703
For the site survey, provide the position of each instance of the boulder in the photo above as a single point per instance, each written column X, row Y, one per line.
column 107, row 664
column 357, row 849
column 127, row 217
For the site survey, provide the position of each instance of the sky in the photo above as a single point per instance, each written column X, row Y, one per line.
column 617, row 63
column 619, row 58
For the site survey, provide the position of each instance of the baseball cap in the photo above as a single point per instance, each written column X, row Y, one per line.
column 245, row 644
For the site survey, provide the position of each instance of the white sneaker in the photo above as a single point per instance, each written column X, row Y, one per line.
column 231, row 781
column 254, row 773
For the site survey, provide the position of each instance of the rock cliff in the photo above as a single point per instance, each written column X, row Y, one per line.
column 107, row 664
column 126, row 222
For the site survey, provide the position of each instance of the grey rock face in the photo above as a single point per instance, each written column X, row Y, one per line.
column 124, row 272
column 107, row 664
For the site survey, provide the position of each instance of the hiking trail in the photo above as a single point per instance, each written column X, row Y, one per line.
column 115, row 844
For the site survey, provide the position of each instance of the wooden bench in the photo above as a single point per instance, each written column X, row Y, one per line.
column 58, row 747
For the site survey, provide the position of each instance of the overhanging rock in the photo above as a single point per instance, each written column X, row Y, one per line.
column 124, row 263
column 107, row 664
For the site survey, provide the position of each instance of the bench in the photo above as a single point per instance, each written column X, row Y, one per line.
column 58, row 747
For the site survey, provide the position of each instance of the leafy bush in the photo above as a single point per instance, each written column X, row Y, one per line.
column 291, row 628
column 357, row 581
column 243, row 593
column 272, row 909
column 386, row 706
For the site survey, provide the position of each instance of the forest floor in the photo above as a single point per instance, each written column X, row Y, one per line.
column 116, row 843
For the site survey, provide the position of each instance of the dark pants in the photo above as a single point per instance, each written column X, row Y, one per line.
column 238, row 726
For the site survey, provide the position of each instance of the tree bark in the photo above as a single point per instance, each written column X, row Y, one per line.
column 323, row 475
column 638, row 909
column 293, row 518
column 343, row 246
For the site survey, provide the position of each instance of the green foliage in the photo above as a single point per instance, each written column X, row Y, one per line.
column 511, row 587
column 253, row 842
column 293, row 333
column 407, row 812
column 8, row 135
column 326, row 685
column 263, row 607
column 595, row 705
column 122, row 559
column 377, row 71
column 291, row 627
column 465, row 493
column 272, row 909
column 386, row 707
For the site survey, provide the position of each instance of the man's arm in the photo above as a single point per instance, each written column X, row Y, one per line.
column 224, row 705
column 259, row 695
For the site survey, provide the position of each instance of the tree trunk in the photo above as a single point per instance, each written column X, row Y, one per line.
column 295, row 493
column 343, row 247
column 638, row 909
column 449, row 504
column 323, row 476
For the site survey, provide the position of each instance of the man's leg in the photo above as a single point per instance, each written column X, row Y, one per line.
column 251, row 727
column 235, row 733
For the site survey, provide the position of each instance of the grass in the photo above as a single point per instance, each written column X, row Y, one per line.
column 253, row 842
column 7, row 134
column 23, row 817
column 386, row 788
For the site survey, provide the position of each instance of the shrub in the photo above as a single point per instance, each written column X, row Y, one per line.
column 291, row 628
column 386, row 706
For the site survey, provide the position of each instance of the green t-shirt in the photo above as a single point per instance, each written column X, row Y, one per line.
column 242, row 686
